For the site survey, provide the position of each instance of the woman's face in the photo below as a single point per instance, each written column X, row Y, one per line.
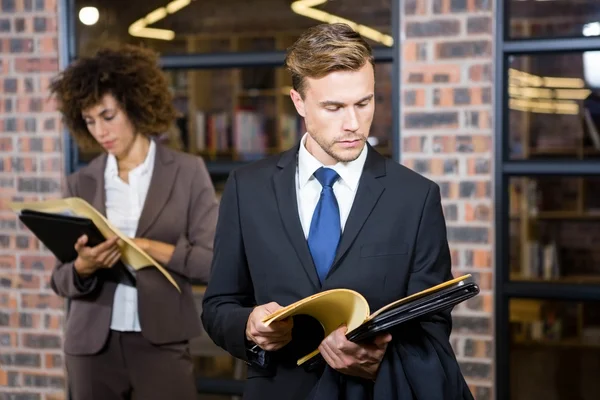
column 110, row 126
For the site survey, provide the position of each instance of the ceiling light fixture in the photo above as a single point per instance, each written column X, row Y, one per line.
column 306, row 9
column 140, row 27
column 89, row 15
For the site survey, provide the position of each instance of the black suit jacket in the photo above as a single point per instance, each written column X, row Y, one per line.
column 394, row 244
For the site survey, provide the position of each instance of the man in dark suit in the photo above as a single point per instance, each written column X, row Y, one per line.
column 331, row 213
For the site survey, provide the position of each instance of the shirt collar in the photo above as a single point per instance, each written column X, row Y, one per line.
column 349, row 172
column 112, row 168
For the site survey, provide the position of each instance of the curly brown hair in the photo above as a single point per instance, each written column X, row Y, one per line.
column 131, row 74
column 326, row 48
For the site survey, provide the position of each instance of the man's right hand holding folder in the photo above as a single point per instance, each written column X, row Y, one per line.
column 356, row 359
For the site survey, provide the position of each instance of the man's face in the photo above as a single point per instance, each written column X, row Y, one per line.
column 338, row 111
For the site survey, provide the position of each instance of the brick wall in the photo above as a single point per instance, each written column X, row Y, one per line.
column 446, row 130
column 31, row 167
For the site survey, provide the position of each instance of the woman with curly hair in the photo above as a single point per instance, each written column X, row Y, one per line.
column 130, row 339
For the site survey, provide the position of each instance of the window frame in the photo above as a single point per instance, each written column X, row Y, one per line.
column 505, row 168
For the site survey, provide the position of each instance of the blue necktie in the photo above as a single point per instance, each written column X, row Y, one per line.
column 325, row 227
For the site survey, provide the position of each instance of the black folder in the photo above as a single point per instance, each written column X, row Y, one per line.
column 420, row 308
column 60, row 232
column 411, row 311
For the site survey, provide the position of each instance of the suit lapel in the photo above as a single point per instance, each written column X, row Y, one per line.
column 368, row 193
column 287, row 202
column 92, row 184
column 161, row 186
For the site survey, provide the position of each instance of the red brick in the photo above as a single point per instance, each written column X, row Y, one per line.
column 411, row 144
column 30, row 320
column 47, row 45
column 36, row 64
column 482, row 258
column 37, row 263
column 444, row 7
column 478, row 348
column 8, row 301
column 29, row 281
column 6, row 144
column 53, row 360
column 44, row 83
column 454, row 190
column 486, row 280
column 50, row 5
column 9, row 339
column 481, row 144
column 416, row 7
column 414, row 98
column 54, row 164
column 481, row 303
column 410, row 52
column 480, row 72
column 438, row 73
column 41, row 301
column 430, row 120
column 455, row 256
column 35, row 104
column 480, row 212
column 432, row 28
column 55, row 396
column 53, row 322
column 437, row 167
column 8, row 262
column 445, row 97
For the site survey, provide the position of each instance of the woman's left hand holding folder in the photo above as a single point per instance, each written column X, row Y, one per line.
column 91, row 259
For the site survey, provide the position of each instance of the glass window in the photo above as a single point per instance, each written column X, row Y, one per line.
column 554, row 105
column 183, row 26
column 554, row 228
column 244, row 114
column 554, row 350
column 552, row 19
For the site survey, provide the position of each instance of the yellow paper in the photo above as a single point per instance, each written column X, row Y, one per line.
column 131, row 254
column 335, row 307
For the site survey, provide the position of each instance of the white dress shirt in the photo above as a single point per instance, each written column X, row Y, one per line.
column 124, row 203
column 308, row 188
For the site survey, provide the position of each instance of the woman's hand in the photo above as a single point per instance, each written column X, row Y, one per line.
column 161, row 252
column 91, row 259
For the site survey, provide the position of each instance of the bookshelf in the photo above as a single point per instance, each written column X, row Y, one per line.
column 552, row 219
column 237, row 114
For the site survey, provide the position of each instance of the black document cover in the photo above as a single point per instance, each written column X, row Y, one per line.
column 410, row 311
column 59, row 233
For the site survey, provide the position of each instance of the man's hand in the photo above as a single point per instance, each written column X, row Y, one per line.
column 361, row 360
column 272, row 337
column 90, row 259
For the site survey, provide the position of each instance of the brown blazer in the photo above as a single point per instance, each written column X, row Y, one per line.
column 180, row 209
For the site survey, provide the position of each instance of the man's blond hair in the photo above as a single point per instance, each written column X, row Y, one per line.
column 323, row 49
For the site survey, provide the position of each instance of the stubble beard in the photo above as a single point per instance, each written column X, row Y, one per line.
column 340, row 156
